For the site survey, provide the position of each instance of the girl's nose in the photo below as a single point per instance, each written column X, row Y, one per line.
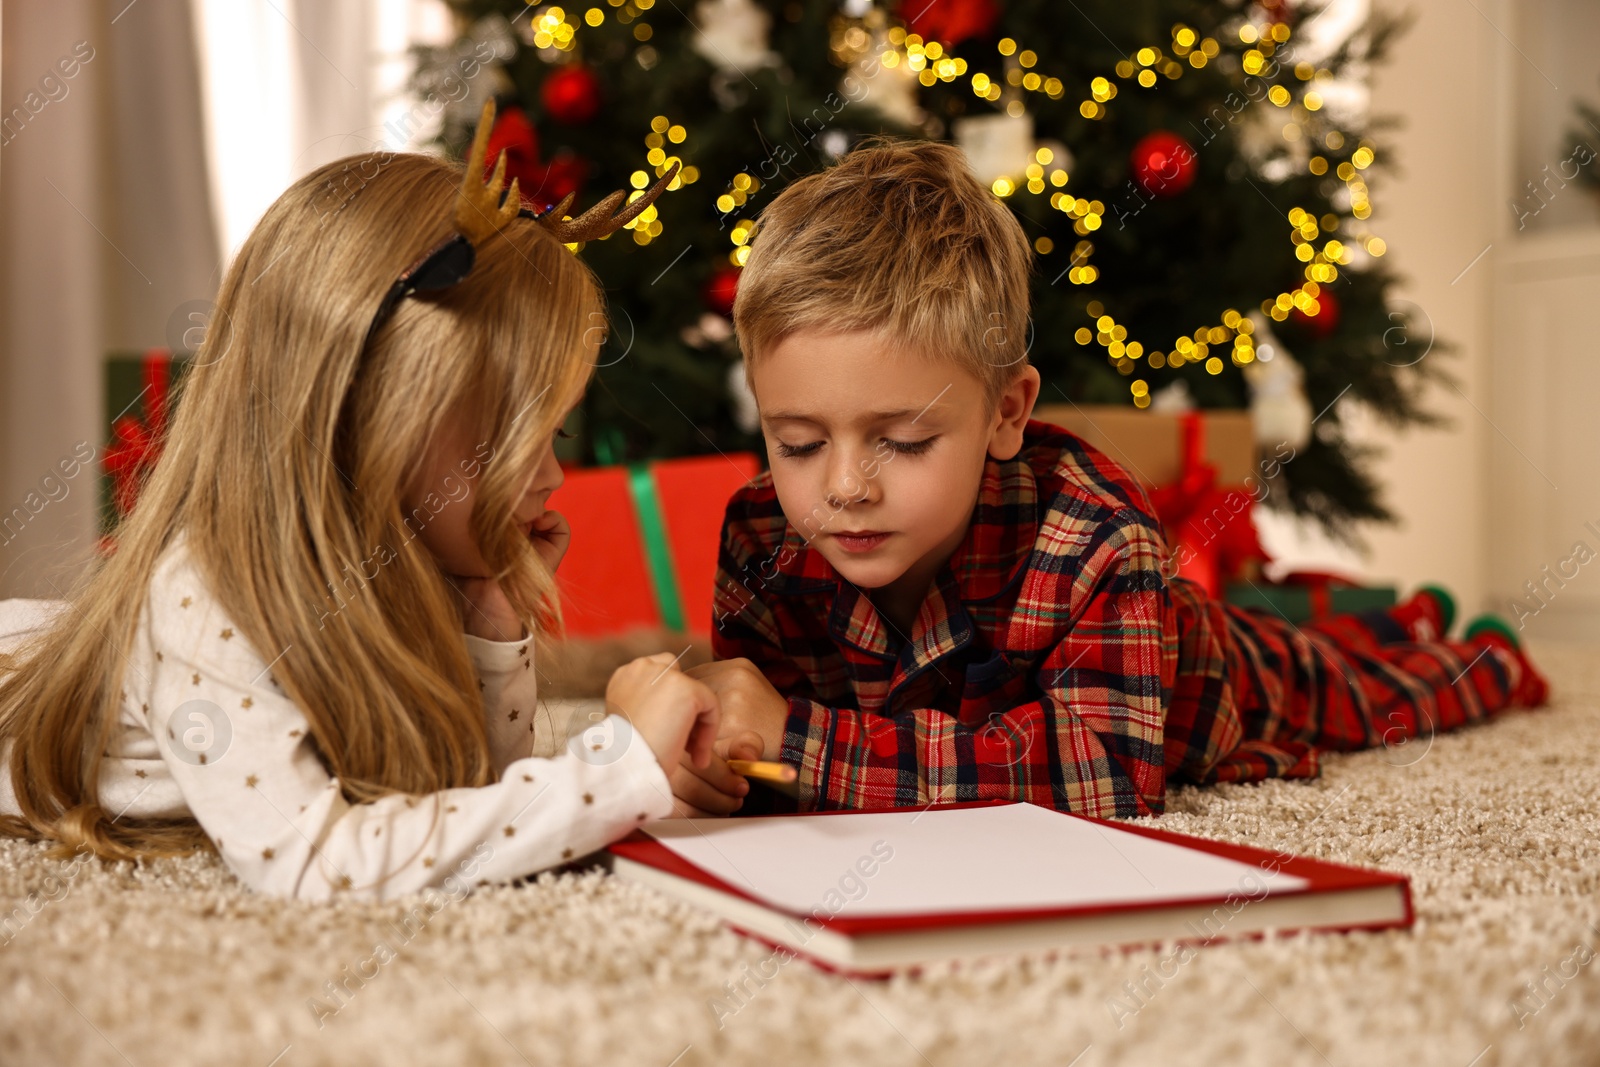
column 551, row 474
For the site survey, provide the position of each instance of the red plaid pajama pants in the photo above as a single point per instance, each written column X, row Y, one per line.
column 1349, row 682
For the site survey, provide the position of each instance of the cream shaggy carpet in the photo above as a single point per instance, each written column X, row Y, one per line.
column 174, row 963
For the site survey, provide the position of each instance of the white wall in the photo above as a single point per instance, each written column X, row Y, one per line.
column 1545, row 520
column 1436, row 211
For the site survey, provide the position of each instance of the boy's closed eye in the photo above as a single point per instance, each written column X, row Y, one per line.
column 904, row 448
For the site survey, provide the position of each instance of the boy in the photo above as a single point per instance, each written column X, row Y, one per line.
column 931, row 598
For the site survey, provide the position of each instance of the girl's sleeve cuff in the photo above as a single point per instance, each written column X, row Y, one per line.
column 498, row 656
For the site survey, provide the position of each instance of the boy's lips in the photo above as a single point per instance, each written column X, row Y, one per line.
column 860, row 540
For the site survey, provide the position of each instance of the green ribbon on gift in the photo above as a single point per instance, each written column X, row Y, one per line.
column 653, row 528
column 609, row 445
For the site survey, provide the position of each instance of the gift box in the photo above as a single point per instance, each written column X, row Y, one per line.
column 1204, row 477
column 1306, row 596
column 139, row 393
column 644, row 543
column 1151, row 443
column 1202, row 474
column 644, row 536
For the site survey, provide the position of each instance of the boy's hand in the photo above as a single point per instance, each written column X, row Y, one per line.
column 754, row 714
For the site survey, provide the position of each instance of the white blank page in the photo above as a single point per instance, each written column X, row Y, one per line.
column 967, row 859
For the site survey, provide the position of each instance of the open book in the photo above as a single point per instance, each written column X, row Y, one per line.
column 869, row 892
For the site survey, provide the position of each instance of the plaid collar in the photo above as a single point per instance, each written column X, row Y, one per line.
column 985, row 564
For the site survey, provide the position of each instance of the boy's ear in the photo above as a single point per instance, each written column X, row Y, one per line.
column 1012, row 414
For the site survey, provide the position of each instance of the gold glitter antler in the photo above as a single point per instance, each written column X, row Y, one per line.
column 599, row 220
column 479, row 212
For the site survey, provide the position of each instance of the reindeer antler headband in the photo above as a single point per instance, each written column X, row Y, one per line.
column 483, row 210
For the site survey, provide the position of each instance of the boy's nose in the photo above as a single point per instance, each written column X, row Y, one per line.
column 848, row 485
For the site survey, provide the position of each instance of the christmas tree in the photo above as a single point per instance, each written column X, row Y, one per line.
column 1190, row 173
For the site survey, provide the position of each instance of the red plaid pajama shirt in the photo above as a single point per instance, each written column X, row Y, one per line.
column 1055, row 661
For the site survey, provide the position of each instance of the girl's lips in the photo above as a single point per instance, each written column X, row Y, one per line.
column 526, row 525
column 864, row 541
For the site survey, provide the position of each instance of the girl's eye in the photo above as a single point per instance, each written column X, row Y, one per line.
column 564, row 435
column 796, row 451
column 911, row 448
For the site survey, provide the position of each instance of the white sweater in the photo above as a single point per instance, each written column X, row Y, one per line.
column 205, row 731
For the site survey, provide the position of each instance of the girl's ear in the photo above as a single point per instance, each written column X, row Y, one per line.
column 1012, row 413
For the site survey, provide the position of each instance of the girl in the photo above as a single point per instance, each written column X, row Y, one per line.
column 272, row 663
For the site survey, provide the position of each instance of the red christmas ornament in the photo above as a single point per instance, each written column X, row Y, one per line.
column 1326, row 318
column 563, row 175
column 539, row 183
column 1163, row 164
column 721, row 289
column 950, row 21
column 571, row 94
column 1276, row 10
column 514, row 135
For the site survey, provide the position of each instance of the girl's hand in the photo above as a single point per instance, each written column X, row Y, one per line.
column 550, row 536
column 712, row 790
column 485, row 611
column 675, row 714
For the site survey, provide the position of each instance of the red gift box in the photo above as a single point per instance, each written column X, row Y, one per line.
column 644, row 542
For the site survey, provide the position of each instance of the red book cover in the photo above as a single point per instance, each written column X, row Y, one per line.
column 1321, row 878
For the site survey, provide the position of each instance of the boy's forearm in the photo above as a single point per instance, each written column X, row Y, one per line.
column 846, row 759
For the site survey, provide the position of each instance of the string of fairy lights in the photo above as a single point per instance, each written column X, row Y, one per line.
column 551, row 28
column 554, row 31
column 1313, row 238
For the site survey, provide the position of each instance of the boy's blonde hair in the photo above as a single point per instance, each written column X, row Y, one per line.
column 286, row 465
column 899, row 237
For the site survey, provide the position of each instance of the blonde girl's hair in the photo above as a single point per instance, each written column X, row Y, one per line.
column 285, row 467
column 898, row 237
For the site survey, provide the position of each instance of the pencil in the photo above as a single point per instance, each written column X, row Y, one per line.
column 766, row 770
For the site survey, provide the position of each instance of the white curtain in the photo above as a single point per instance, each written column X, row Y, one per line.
column 124, row 187
column 289, row 85
column 104, row 232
